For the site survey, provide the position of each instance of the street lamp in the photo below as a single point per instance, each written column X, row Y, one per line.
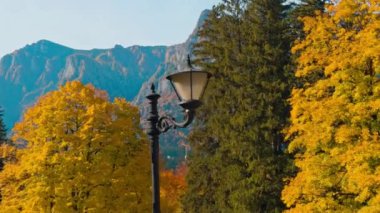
column 189, row 87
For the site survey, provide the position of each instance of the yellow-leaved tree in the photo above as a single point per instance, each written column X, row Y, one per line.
column 81, row 153
column 335, row 117
column 173, row 186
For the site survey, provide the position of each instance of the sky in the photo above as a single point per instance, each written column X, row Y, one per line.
column 88, row 24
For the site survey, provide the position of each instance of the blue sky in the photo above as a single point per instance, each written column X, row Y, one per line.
column 87, row 24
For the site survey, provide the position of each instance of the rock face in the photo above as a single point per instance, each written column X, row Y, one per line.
column 127, row 72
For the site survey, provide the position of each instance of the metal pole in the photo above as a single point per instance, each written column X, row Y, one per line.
column 154, row 139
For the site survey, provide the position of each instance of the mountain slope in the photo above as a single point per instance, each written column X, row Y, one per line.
column 30, row 72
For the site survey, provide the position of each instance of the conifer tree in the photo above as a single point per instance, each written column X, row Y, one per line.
column 236, row 161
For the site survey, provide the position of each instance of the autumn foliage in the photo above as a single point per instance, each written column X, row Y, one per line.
column 173, row 187
column 75, row 151
column 81, row 153
column 335, row 118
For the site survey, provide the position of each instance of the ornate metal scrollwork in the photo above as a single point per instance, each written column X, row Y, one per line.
column 166, row 122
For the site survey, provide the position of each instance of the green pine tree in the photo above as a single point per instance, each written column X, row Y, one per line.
column 236, row 163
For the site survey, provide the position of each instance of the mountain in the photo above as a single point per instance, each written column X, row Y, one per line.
column 127, row 72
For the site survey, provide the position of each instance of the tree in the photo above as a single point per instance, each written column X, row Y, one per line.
column 294, row 32
column 173, row 187
column 295, row 13
column 3, row 129
column 335, row 120
column 82, row 154
column 236, row 164
column 3, row 138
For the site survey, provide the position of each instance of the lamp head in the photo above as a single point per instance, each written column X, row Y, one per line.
column 189, row 87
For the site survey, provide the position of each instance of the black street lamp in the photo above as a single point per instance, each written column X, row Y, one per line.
column 189, row 87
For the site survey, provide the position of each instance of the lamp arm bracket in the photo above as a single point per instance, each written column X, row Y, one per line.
column 166, row 122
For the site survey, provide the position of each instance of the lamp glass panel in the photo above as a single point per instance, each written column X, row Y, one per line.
column 199, row 83
column 182, row 84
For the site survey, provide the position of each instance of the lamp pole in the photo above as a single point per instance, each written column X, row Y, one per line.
column 156, row 126
column 154, row 133
column 189, row 87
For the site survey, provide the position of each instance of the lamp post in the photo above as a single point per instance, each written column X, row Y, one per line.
column 189, row 87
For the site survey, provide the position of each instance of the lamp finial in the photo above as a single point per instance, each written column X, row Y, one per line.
column 189, row 61
column 153, row 88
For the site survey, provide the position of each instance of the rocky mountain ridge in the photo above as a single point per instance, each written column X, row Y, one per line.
column 28, row 73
